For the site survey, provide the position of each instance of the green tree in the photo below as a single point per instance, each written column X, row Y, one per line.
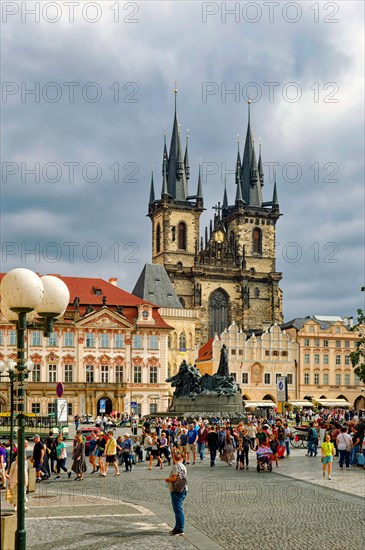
column 358, row 357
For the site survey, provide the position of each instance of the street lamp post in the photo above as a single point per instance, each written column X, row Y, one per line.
column 24, row 294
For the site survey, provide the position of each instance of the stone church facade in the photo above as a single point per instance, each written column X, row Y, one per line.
column 229, row 272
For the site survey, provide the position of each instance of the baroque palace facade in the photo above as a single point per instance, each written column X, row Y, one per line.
column 229, row 273
column 109, row 345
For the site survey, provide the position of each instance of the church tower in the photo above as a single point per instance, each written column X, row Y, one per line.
column 229, row 272
column 175, row 215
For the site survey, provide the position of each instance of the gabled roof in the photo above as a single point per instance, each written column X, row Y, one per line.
column 154, row 284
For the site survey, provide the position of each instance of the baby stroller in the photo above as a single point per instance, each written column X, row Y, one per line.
column 263, row 461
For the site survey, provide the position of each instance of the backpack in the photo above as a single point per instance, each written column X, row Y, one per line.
column 180, row 484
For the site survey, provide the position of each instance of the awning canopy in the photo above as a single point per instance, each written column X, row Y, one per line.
column 333, row 403
column 303, row 403
column 259, row 404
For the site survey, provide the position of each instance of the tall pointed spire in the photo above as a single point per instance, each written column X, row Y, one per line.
column 238, row 162
column 199, row 193
column 239, row 199
column 255, row 186
column 176, row 177
column 260, row 168
column 165, row 191
column 275, row 200
column 152, row 190
column 246, row 161
column 225, row 198
column 186, row 157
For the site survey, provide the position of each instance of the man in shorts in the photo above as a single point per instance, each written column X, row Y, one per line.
column 111, row 453
column 192, row 443
column 39, row 451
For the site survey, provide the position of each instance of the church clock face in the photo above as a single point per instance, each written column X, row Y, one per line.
column 219, row 236
column 145, row 314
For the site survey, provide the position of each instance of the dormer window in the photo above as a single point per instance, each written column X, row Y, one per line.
column 97, row 291
column 145, row 314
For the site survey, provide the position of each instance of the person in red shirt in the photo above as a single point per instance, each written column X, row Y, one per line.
column 202, row 440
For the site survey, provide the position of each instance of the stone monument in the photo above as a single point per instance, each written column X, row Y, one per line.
column 205, row 396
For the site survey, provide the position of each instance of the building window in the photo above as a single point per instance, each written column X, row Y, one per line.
column 153, row 342
column 316, row 342
column 306, row 358
column 338, row 379
column 347, row 343
column 68, row 339
column 233, row 352
column 347, row 379
column 153, row 375
column 137, row 374
column 357, row 380
column 325, row 343
column 51, row 409
column 36, row 408
column 325, row 359
column 289, row 378
column 36, row 373
column 338, row 359
column 104, row 340
column 52, row 340
column 70, row 409
column 52, row 373
column 104, row 374
column 36, row 338
column 316, row 358
column 153, row 408
column 311, row 328
column 316, row 378
column 158, row 238
column 306, row 378
column 257, row 292
column 182, row 236
column 306, row 342
column 275, row 352
column 347, row 359
column 267, row 378
column 284, row 353
column 119, row 341
column 277, row 376
column 245, row 378
column 12, row 338
column 257, row 241
column 119, row 374
column 267, row 352
column 325, row 379
column 338, row 343
column 90, row 340
column 68, row 373
column 137, row 341
column 90, row 374
column 240, row 352
column 182, row 342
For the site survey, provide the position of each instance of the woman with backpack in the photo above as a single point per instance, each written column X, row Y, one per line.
column 178, row 490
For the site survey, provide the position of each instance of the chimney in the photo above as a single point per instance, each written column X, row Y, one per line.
column 113, row 281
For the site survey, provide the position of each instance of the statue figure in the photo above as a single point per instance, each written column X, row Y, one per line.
column 76, row 303
column 119, row 310
column 186, row 382
column 223, row 362
column 89, row 309
column 104, row 300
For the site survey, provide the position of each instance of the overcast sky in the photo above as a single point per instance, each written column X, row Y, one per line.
column 103, row 78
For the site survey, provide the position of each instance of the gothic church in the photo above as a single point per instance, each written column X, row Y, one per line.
column 229, row 274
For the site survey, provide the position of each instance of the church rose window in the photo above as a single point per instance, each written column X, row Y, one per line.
column 218, row 312
column 182, row 236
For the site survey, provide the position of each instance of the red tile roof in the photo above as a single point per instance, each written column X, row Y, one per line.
column 206, row 352
column 84, row 288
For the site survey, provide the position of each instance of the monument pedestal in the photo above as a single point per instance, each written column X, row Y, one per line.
column 209, row 405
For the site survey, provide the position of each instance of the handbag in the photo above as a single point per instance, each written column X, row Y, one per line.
column 361, row 460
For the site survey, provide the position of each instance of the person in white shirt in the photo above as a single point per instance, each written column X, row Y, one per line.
column 344, row 446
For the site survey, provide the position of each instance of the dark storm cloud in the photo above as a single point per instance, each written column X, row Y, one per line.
column 170, row 41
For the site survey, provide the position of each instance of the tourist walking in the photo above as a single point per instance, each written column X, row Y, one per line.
column 92, row 451
column 155, row 451
column 61, row 454
column 213, row 444
column 251, row 431
column 228, row 449
column 344, row 446
column 177, row 483
column 100, row 451
column 39, row 450
column 328, row 451
column 78, row 456
column 202, row 440
column 127, row 448
column 192, row 441
column 312, row 441
column 111, row 454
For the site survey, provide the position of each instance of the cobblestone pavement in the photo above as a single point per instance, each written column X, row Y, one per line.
column 230, row 507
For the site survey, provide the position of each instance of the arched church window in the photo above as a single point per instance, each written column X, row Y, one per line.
column 182, row 342
column 257, row 240
column 158, row 238
column 218, row 312
column 182, row 236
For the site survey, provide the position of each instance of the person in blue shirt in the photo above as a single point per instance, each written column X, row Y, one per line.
column 192, row 440
column 127, row 448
